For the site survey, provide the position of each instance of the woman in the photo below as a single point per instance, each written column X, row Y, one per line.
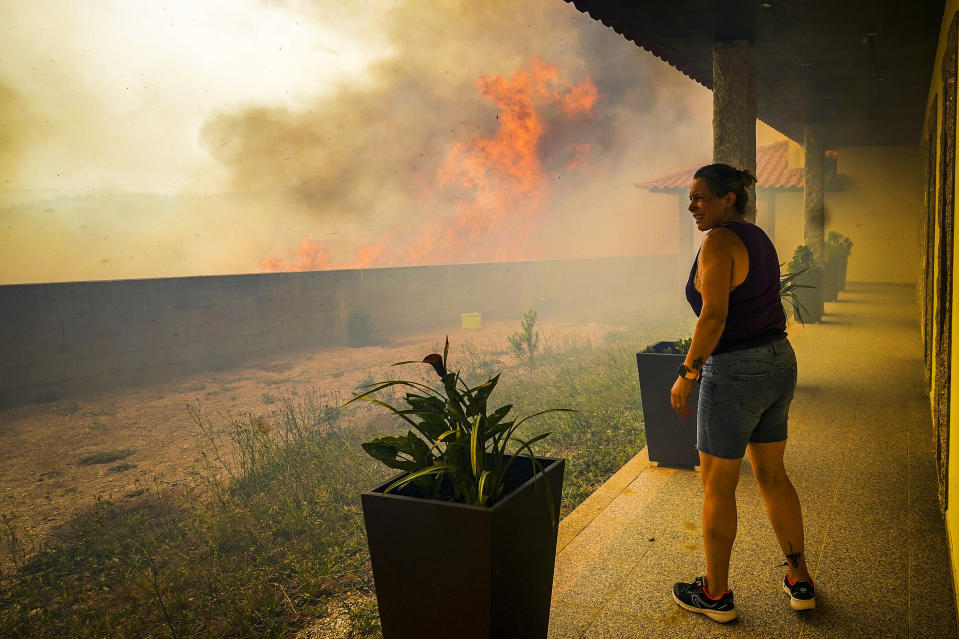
column 747, row 371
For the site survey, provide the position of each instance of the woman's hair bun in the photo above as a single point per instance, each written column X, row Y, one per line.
column 723, row 179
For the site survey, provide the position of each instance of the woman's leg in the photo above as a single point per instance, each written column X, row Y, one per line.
column 782, row 504
column 720, row 477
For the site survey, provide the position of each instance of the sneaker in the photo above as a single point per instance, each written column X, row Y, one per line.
column 802, row 595
column 695, row 598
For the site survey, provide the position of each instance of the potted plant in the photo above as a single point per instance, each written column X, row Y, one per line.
column 788, row 288
column 670, row 439
column 839, row 247
column 463, row 542
column 808, row 278
column 830, row 277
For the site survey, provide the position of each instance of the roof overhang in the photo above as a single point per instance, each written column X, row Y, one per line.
column 859, row 69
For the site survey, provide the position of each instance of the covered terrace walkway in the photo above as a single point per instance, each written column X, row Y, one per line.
column 861, row 456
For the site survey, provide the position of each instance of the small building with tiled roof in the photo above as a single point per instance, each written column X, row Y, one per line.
column 773, row 171
column 779, row 189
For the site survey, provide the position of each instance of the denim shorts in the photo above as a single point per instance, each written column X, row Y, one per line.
column 744, row 396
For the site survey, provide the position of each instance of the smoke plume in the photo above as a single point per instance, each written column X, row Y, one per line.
column 381, row 162
column 110, row 169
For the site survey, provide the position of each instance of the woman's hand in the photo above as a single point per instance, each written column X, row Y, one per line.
column 679, row 396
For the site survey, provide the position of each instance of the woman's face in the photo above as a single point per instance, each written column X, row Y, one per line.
column 709, row 210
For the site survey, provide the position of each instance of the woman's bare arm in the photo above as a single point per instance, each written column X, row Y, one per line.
column 715, row 278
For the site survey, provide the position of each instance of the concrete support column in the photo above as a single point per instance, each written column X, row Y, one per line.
column 814, row 210
column 734, row 109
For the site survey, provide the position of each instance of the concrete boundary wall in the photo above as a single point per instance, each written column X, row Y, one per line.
column 63, row 338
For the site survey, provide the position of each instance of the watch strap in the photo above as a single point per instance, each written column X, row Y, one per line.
column 687, row 373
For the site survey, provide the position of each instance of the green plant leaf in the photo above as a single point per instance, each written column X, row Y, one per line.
column 436, row 469
column 373, row 400
column 482, row 488
column 477, row 446
column 479, row 395
column 499, row 414
column 420, row 450
column 426, row 403
column 388, row 454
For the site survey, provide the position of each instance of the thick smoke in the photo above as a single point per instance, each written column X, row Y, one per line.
column 364, row 161
column 14, row 136
column 349, row 178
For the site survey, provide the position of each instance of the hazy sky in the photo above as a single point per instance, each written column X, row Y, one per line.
column 111, row 94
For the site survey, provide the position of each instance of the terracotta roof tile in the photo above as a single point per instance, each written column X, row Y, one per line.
column 772, row 171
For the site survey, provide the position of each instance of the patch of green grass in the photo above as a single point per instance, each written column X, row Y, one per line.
column 69, row 408
column 45, row 397
column 105, row 457
column 276, row 381
column 97, row 426
column 280, row 367
column 119, row 468
column 268, row 398
column 99, row 412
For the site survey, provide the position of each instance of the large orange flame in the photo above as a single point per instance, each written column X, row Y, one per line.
column 311, row 256
column 497, row 183
column 500, row 179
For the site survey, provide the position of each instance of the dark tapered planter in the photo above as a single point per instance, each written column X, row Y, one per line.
column 671, row 439
column 843, row 263
column 831, row 279
column 810, row 299
column 444, row 569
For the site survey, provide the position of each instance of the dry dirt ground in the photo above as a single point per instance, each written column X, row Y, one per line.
column 42, row 483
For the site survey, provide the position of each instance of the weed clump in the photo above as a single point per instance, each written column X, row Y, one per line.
column 105, row 457
column 119, row 468
column 525, row 343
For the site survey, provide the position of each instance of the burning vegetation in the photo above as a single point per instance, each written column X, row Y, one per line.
column 497, row 183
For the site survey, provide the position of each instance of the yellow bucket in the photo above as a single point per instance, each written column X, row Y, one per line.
column 472, row 321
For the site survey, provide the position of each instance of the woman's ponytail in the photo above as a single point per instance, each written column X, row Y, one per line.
column 723, row 179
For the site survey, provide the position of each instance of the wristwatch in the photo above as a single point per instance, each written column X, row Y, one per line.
column 685, row 373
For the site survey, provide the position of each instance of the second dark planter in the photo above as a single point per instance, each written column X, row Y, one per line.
column 831, row 279
column 445, row 569
column 810, row 299
column 671, row 439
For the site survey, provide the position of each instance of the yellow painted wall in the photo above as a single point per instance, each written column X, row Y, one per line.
column 952, row 514
column 789, row 224
column 878, row 209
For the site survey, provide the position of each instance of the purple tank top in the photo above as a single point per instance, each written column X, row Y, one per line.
column 756, row 315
